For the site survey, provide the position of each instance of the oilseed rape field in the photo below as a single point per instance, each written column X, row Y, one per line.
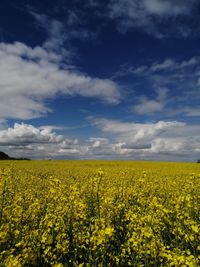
column 99, row 213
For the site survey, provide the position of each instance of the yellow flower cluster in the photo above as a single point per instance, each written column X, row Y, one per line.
column 95, row 213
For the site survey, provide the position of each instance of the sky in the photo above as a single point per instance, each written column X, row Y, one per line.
column 96, row 79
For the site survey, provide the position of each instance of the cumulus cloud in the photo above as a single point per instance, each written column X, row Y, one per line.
column 23, row 134
column 98, row 142
column 163, row 140
column 25, row 140
column 29, row 76
column 135, row 132
column 151, row 106
column 149, row 15
column 148, row 106
column 98, row 147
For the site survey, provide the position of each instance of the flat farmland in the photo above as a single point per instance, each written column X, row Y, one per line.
column 99, row 213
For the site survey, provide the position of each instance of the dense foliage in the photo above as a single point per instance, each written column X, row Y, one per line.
column 73, row 213
column 4, row 156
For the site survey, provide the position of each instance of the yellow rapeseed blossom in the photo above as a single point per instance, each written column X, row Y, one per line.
column 82, row 213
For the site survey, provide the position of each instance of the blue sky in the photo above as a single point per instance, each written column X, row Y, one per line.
column 115, row 79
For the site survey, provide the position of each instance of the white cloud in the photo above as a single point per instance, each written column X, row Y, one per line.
column 18, row 49
column 149, row 14
column 164, row 140
column 23, row 134
column 98, row 147
column 28, row 76
column 135, row 132
column 167, row 145
column 31, row 75
column 173, row 87
column 59, row 35
column 147, row 106
column 168, row 8
column 151, row 106
column 25, row 140
column 190, row 111
column 171, row 65
column 97, row 142
column 55, row 34
column 166, row 64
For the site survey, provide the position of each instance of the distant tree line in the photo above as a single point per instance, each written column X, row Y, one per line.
column 4, row 156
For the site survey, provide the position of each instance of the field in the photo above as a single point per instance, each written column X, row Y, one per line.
column 98, row 213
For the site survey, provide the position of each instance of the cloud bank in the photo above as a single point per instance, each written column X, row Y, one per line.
column 163, row 140
column 171, row 140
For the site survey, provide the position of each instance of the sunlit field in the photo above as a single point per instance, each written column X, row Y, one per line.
column 99, row 213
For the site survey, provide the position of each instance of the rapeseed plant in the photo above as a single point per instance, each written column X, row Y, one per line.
column 99, row 214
